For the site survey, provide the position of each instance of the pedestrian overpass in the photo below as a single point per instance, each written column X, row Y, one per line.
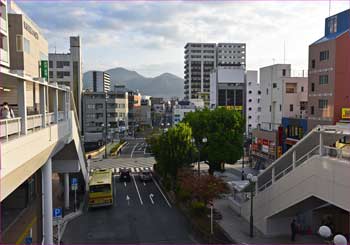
column 309, row 179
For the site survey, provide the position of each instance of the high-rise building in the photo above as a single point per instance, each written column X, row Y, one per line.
column 201, row 58
column 253, row 101
column 66, row 69
column 99, row 81
column 329, row 72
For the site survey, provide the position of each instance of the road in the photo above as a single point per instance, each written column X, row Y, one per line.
column 148, row 216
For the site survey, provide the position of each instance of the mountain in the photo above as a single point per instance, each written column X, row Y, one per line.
column 165, row 85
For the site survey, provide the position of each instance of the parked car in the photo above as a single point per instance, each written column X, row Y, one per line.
column 145, row 175
column 124, row 175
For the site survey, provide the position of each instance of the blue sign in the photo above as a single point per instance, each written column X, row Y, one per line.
column 28, row 240
column 57, row 212
column 74, row 181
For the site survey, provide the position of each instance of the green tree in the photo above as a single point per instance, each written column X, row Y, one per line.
column 172, row 150
column 224, row 130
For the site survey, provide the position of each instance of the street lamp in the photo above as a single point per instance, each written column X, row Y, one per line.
column 204, row 141
column 252, row 181
column 326, row 233
column 106, row 124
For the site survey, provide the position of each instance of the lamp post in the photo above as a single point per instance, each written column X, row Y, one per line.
column 106, row 124
column 326, row 233
column 204, row 141
column 252, row 180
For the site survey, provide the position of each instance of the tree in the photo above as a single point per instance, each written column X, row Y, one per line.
column 203, row 188
column 173, row 150
column 224, row 130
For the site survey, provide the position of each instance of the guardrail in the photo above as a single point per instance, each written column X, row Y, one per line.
column 34, row 121
column 10, row 127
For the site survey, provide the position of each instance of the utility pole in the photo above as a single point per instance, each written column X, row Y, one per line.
column 106, row 125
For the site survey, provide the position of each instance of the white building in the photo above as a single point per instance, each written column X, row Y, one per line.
column 66, row 69
column 201, row 58
column 253, row 101
column 181, row 109
column 99, row 81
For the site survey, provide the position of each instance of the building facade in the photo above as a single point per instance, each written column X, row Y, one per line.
column 253, row 101
column 181, row 109
column 201, row 58
column 96, row 107
column 4, row 42
column 100, row 81
column 329, row 72
column 66, row 69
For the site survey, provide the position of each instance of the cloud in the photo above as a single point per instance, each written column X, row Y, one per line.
column 148, row 34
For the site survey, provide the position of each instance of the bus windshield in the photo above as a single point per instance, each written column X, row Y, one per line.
column 100, row 188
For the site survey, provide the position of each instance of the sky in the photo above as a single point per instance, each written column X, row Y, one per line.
column 149, row 36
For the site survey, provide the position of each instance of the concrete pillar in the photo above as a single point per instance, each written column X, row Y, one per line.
column 321, row 144
column 66, row 190
column 22, row 105
column 42, row 92
column 46, row 171
column 294, row 157
column 55, row 104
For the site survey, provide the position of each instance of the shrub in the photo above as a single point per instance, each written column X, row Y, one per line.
column 183, row 195
column 198, row 208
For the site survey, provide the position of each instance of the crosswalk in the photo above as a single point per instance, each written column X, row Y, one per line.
column 132, row 169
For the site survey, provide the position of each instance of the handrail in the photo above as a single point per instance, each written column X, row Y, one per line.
column 4, row 125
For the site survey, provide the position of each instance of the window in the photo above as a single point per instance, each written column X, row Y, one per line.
column 60, row 74
column 51, row 74
column 259, row 92
column 312, row 110
column 313, row 87
column 26, row 45
column 66, row 73
column 332, row 24
column 324, row 55
column 302, row 89
column 322, row 104
column 250, row 117
column 250, row 100
column 284, row 72
column 250, row 109
column 270, row 108
column 250, row 91
column 91, row 106
column 50, row 64
column 323, row 79
column 274, row 85
column 19, row 43
column 313, row 64
column 267, row 91
column 291, row 107
column 280, row 107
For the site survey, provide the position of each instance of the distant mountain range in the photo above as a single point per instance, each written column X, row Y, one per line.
column 165, row 85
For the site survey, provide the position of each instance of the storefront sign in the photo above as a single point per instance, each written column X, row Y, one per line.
column 345, row 113
column 44, row 68
column 30, row 30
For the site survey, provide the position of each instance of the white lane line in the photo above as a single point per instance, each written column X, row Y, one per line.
column 137, row 189
column 133, row 149
column 124, row 183
column 151, row 197
column 161, row 192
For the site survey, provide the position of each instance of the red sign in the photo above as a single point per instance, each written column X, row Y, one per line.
column 265, row 142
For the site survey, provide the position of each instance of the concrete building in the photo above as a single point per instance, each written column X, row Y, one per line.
column 66, row 69
column 40, row 141
column 329, row 72
column 201, row 58
column 4, row 43
column 99, row 81
column 253, row 101
column 181, row 109
column 95, row 112
column 142, row 113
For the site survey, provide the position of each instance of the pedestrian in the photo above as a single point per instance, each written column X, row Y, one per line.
column 6, row 111
column 293, row 227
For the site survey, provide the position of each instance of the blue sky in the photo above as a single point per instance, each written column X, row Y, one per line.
column 149, row 36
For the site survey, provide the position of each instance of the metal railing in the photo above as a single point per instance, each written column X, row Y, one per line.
column 339, row 153
column 10, row 127
column 34, row 121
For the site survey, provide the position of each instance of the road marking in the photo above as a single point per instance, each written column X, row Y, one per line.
column 133, row 149
column 144, row 183
column 137, row 189
column 125, row 183
column 128, row 199
column 151, row 197
column 161, row 192
column 144, row 151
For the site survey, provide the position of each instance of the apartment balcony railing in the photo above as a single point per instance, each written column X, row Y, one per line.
column 3, row 24
column 4, row 55
column 12, row 127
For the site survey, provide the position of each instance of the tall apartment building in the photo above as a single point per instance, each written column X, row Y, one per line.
column 329, row 72
column 66, row 69
column 99, row 81
column 42, row 139
column 253, row 101
column 201, row 58
column 4, row 42
column 96, row 107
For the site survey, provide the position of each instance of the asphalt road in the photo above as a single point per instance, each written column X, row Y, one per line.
column 134, row 149
column 147, row 217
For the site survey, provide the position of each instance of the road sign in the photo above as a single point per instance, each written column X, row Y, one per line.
column 57, row 212
column 74, row 184
column 28, row 240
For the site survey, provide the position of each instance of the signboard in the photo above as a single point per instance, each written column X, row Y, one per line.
column 57, row 212
column 74, row 184
column 44, row 69
column 233, row 107
column 345, row 113
column 28, row 240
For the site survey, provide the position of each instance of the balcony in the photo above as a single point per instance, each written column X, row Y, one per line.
column 11, row 128
column 3, row 25
column 4, row 57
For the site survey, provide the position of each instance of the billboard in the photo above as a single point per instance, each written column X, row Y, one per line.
column 345, row 113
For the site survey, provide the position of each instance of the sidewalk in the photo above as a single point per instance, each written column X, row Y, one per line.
column 237, row 228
